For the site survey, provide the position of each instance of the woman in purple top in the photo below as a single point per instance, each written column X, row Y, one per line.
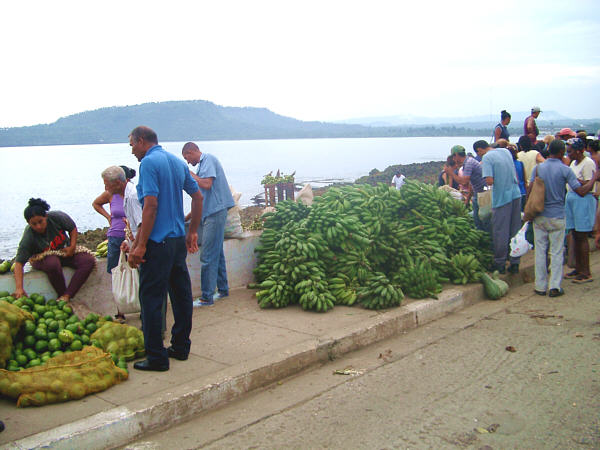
column 116, row 221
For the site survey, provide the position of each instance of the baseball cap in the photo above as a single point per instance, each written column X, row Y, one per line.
column 457, row 149
column 536, row 109
column 575, row 143
column 567, row 132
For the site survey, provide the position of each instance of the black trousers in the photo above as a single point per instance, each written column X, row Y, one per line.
column 165, row 271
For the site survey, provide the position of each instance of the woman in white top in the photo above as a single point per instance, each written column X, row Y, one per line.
column 528, row 156
column 580, row 211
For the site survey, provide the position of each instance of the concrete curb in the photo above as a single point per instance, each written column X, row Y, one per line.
column 123, row 424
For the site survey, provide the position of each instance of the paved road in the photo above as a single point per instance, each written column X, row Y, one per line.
column 449, row 384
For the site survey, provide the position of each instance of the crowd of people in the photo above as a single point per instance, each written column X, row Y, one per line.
column 148, row 223
column 567, row 162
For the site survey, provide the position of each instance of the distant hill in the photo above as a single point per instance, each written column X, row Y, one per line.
column 199, row 120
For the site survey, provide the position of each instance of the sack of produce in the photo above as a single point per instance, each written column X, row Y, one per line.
column 305, row 195
column 120, row 340
column 484, row 199
column 233, row 224
column 125, row 286
column 69, row 376
column 493, row 286
column 14, row 316
column 5, row 343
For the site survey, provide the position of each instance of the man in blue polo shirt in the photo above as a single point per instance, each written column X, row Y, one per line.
column 499, row 172
column 217, row 200
column 160, row 250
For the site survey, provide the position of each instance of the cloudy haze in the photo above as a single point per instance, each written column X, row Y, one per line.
column 311, row 60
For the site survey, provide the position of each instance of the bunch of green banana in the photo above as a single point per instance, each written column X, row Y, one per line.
column 102, row 249
column 314, row 295
column 286, row 212
column 419, row 280
column 465, row 269
column 274, row 293
column 343, row 293
column 379, row 293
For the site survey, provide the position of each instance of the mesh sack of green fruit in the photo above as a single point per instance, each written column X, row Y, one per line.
column 69, row 376
column 14, row 316
column 5, row 343
column 119, row 339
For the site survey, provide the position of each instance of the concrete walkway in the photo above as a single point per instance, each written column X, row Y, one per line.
column 236, row 347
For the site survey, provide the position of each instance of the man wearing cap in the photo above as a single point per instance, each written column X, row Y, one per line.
column 566, row 133
column 530, row 128
column 499, row 172
column 471, row 175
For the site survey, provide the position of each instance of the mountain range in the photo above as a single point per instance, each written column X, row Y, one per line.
column 197, row 120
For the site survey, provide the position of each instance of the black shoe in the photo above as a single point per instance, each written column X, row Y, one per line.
column 176, row 355
column 513, row 268
column 147, row 365
column 539, row 292
column 500, row 269
column 556, row 292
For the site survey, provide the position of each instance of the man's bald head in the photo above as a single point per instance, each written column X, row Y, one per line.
column 191, row 153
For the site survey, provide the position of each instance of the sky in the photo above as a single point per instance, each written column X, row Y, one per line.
column 311, row 60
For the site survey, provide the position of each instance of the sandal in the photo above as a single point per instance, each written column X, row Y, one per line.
column 572, row 274
column 582, row 279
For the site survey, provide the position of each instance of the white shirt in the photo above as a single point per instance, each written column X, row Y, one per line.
column 584, row 170
column 398, row 181
column 132, row 207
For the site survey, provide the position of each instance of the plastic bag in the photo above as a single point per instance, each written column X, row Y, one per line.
column 519, row 245
column 484, row 199
column 305, row 195
column 125, row 287
column 233, row 224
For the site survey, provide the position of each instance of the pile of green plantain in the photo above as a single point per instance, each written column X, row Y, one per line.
column 367, row 245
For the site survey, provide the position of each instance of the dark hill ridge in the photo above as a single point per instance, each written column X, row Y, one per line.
column 173, row 121
column 201, row 120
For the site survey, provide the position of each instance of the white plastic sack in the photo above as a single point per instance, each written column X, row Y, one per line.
column 454, row 193
column 233, row 224
column 519, row 245
column 305, row 195
column 125, row 287
column 484, row 200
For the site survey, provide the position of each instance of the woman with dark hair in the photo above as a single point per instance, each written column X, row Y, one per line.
column 580, row 211
column 528, row 155
column 501, row 130
column 49, row 242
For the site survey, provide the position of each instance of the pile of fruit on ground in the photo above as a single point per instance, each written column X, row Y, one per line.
column 368, row 245
column 50, row 355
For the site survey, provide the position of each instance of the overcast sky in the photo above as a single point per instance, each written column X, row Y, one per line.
column 311, row 60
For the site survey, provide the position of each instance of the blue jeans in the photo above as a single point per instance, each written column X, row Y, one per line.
column 213, row 273
column 114, row 251
column 165, row 270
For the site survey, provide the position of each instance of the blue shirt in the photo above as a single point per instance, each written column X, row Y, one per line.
column 218, row 197
column 556, row 176
column 498, row 163
column 164, row 176
column 472, row 169
column 520, row 168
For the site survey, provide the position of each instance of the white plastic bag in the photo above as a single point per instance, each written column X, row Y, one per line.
column 519, row 245
column 305, row 195
column 125, row 286
column 233, row 224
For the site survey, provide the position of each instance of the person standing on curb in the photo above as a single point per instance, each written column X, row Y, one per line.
column 580, row 211
column 530, row 128
column 499, row 171
column 472, row 175
column 160, row 250
column 217, row 200
column 549, row 226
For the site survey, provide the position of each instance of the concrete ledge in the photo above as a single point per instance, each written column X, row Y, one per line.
column 126, row 423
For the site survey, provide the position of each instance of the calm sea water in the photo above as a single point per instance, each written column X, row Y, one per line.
column 68, row 176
